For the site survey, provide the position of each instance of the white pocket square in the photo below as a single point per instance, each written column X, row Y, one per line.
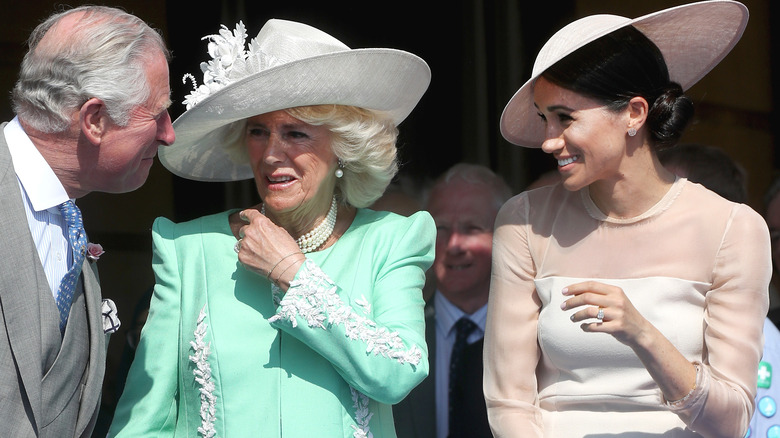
column 111, row 321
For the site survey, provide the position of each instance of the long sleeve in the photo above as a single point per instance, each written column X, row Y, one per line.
column 211, row 362
column 148, row 406
column 372, row 332
column 695, row 265
column 511, row 347
column 735, row 310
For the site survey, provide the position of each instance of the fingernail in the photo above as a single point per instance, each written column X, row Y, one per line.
column 572, row 317
column 563, row 305
column 565, row 290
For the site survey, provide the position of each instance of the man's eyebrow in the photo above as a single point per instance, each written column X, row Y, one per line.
column 163, row 107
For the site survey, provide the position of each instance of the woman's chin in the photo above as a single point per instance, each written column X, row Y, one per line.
column 277, row 206
column 571, row 184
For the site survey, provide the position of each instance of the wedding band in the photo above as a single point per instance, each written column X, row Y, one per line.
column 600, row 315
column 237, row 246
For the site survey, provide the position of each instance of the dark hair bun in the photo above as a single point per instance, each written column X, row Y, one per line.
column 669, row 115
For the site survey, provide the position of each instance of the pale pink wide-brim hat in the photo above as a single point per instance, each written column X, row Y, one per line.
column 287, row 65
column 693, row 39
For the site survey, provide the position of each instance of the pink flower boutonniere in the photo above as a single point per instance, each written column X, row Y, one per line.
column 94, row 251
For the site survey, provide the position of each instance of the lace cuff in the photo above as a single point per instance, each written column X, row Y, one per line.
column 312, row 297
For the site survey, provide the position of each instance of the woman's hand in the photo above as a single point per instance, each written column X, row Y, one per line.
column 673, row 373
column 618, row 316
column 268, row 249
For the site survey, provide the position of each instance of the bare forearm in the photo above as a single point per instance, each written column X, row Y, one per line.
column 674, row 374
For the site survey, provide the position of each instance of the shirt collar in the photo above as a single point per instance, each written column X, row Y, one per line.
column 447, row 314
column 40, row 183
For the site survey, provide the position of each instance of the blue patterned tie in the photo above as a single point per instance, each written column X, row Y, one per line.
column 77, row 238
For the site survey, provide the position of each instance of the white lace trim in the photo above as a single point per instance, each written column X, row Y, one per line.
column 276, row 294
column 364, row 304
column 362, row 414
column 312, row 296
column 202, row 374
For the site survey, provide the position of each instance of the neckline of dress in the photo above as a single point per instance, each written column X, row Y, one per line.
column 662, row 205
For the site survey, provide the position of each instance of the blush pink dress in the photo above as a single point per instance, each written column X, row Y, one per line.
column 695, row 265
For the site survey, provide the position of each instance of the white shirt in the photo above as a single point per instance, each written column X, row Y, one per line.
column 42, row 192
column 447, row 314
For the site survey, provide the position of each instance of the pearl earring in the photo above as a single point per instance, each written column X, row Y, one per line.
column 340, row 171
column 631, row 132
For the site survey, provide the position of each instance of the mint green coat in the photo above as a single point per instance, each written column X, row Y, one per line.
column 224, row 355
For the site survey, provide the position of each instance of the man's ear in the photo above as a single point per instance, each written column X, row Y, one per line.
column 93, row 120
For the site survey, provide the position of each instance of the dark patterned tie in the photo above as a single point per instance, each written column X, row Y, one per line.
column 463, row 329
column 77, row 239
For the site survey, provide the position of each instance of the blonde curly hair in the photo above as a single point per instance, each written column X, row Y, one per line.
column 363, row 140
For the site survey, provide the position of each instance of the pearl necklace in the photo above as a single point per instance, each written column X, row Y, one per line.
column 318, row 235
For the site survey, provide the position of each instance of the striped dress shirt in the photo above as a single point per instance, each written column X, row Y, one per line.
column 41, row 192
column 447, row 314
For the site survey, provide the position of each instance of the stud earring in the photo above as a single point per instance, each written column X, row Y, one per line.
column 340, row 171
column 631, row 132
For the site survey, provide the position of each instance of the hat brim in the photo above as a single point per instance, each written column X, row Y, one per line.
column 387, row 80
column 693, row 39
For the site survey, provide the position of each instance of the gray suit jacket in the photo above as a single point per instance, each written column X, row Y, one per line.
column 25, row 333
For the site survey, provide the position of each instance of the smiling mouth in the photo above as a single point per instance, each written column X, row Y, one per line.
column 279, row 180
column 567, row 161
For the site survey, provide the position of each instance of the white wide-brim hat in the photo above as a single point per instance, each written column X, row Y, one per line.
column 693, row 39
column 287, row 65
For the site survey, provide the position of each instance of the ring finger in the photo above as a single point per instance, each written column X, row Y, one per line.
column 591, row 312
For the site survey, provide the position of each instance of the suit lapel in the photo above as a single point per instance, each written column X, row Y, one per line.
column 21, row 282
column 96, row 366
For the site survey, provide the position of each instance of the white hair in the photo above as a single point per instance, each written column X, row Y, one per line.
column 102, row 56
column 476, row 174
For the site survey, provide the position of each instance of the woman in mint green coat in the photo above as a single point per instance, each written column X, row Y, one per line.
column 301, row 316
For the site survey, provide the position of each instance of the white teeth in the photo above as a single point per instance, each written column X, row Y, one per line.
column 281, row 179
column 569, row 160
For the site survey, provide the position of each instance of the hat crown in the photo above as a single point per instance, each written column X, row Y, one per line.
column 288, row 41
column 573, row 36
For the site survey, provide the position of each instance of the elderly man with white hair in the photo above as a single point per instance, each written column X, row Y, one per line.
column 91, row 110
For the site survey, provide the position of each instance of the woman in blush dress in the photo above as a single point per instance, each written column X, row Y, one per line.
column 624, row 301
